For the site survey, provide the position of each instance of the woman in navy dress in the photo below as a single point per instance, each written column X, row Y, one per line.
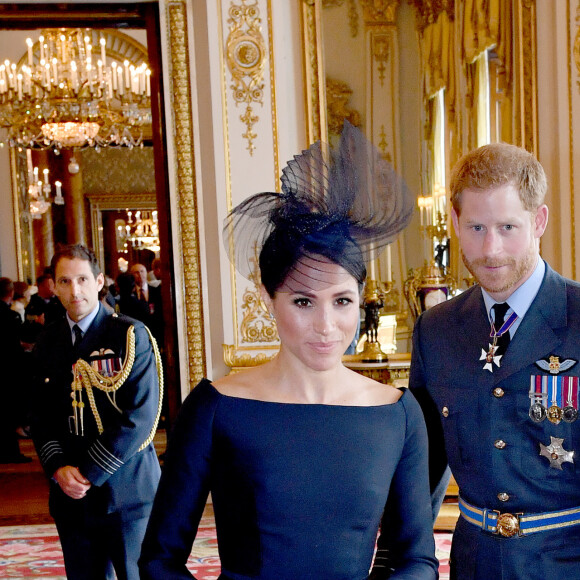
column 304, row 458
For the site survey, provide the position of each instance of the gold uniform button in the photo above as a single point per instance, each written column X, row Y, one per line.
column 500, row 444
column 498, row 392
column 503, row 496
column 445, row 411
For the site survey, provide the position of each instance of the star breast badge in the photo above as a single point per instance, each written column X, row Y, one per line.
column 556, row 453
column 490, row 358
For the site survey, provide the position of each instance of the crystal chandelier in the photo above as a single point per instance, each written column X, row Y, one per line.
column 141, row 230
column 60, row 95
column 39, row 190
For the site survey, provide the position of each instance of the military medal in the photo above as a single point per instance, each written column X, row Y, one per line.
column 555, row 411
column 538, row 398
column 570, row 411
column 537, row 412
column 490, row 357
column 564, row 392
column 106, row 363
column 556, row 453
column 554, row 414
column 569, row 414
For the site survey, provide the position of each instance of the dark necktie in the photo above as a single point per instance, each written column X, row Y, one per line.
column 78, row 336
column 500, row 310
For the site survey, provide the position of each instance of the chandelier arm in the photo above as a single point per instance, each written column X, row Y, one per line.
column 68, row 95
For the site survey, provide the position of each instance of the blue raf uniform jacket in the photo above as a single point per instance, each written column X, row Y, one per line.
column 478, row 421
column 124, row 479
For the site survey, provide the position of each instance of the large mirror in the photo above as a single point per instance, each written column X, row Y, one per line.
column 109, row 191
column 426, row 82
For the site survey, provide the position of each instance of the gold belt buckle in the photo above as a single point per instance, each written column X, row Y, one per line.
column 508, row 525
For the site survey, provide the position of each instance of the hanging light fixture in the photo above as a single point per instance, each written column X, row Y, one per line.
column 141, row 229
column 39, row 190
column 61, row 94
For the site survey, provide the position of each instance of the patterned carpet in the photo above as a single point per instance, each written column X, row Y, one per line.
column 34, row 552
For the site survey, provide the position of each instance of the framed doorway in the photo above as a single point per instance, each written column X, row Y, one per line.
column 179, row 247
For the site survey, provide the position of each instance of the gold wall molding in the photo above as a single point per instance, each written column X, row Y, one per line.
column 381, row 40
column 246, row 57
column 186, row 192
column 525, row 76
column 237, row 360
column 338, row 94
column 313, row 65
column 257, row 324
column 379, row 11
column 248, row 66
column 112, row 201
column 383, row 145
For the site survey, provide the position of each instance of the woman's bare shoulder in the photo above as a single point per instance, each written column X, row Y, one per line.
column 373, row 393
column 244, row 384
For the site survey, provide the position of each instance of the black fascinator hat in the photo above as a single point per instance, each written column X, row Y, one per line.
column 343, row 204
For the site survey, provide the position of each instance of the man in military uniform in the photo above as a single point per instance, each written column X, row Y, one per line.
column 93, row 427
column 496, row 373
column 46, row 300
column 11, row 360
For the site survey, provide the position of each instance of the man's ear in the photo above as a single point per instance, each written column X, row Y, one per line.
column 455, row 220
column 100, row 281
column 541, row 220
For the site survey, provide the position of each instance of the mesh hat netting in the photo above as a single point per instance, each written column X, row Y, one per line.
column 346, row 202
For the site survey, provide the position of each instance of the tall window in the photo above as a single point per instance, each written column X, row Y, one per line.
column 483, row 99
column 439, row 140
column 440, row 241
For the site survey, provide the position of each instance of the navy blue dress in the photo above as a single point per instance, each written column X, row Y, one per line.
column 298, row 490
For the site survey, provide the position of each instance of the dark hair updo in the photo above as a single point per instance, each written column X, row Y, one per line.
column 311, row 234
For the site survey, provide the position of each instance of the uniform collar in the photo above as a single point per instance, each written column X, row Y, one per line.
column 85, row 322
column 522, row 298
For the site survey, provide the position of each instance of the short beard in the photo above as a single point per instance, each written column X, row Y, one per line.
column 519, row 271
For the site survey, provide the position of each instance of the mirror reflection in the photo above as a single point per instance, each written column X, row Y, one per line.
column 75, row 109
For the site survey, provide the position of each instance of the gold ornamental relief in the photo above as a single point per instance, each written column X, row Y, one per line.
column 312, row 59
column 384, row 147
column 381, row 42
column 238, row 361
column 246, row 58
column 257, row 325
column 180, row 91
column 379, row 11
column 338, row 94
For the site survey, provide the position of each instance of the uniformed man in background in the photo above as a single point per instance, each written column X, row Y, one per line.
column 95, row 414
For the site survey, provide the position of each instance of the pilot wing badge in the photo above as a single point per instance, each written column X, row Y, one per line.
column 554, row 366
